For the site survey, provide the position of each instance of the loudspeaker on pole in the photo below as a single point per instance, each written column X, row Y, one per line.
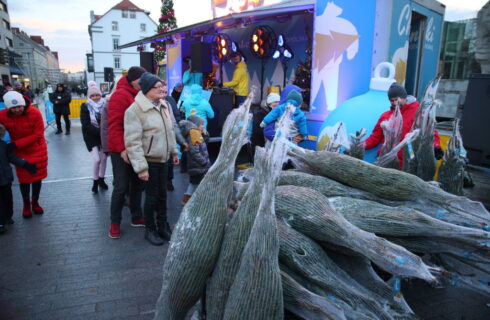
column 201, row 57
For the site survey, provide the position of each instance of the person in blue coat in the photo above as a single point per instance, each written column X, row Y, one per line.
column 189, row 78
column 299, row 131
column 197, row 105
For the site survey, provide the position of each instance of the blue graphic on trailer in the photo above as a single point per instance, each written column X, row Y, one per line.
column 343, row 44
column 400, row 30
column 432, row 43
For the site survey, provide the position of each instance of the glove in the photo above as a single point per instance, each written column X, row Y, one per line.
column 11, row 147
column 438, row 153
column 31, row 167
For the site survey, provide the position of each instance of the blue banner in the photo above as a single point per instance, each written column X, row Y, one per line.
column 48, row 110
column 174, row 64
column 6, row 137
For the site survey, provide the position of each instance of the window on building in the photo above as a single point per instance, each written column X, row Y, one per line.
column 6, row 24
column 143, row 27
column 90, row 62
column 3, row 7
column 124, row 13
column 115, row 43
column 9, row 42
column 114, row 26
column 117, row 62
column 132, row 15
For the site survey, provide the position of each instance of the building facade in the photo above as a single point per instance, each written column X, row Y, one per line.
column 6, row 43
column 122, row 24
column 458, row 50
column 39, row 66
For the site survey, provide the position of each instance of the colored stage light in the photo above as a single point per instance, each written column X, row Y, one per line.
column 263, row 42
column 222, row 47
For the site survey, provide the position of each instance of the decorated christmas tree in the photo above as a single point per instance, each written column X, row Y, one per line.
column 167, row 22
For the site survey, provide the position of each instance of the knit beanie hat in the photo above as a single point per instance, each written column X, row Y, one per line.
column 17, row 84
column 195, row 119
column 287, row 89
column 92, row 89
column 296, row 97
column 135, row 73
column 396, row 91
column 273, row 97
column 148, row 81
column 13, row 99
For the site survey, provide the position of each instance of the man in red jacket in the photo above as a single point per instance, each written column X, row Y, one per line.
column 125, row 180
column 409, row 106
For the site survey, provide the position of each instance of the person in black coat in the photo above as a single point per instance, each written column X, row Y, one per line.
column 90, row 117
column 6, row 177
column 259, row 112
column 176, row 92
column 61, row 107
column 178, row 117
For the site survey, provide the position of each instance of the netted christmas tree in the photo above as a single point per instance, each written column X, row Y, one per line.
column 167, row 22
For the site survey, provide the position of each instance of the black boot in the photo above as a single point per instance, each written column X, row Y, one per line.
column 58, row 131
column 102, row 184
column 164, row 231
column 95, row 187
column 152, row 237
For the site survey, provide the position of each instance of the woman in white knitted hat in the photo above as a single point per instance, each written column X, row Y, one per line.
column 90, row 117
column 26, row 128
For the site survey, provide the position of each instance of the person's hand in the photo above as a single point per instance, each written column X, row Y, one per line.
column 297, row 138
column 31, row 167
column 175, row 160
column 11, row 147
column 185, row 147
column 124, row 156
column 144, row 175
column 438, row 153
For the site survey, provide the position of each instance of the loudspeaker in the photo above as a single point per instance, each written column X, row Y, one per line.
column 201, row 57
column 108, row 74
column 474, row 123
column 146, row 61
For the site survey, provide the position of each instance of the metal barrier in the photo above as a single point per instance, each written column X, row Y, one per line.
column 75, row 106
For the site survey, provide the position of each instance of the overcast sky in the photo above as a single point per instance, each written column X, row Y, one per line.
column 64, row 24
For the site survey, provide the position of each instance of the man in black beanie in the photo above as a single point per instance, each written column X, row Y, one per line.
column 125, row 180
column 408, row 108
column 148, row 81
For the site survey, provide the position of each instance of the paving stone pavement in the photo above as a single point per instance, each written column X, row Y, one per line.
column 62, row 265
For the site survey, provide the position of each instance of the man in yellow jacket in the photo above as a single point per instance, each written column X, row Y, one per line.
column 240, row 80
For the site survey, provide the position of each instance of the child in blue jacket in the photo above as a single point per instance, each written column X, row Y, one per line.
column 6, row 177
column 299, row 118
column 197, row 105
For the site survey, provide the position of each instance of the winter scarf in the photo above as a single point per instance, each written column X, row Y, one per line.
column 94, row 110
